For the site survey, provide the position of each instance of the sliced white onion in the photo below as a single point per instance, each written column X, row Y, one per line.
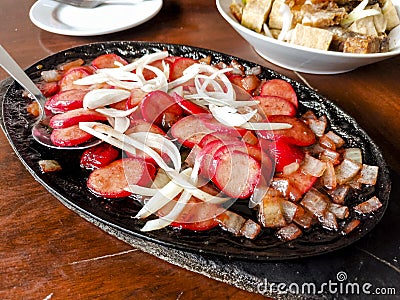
column 102, row 97
column 171, row 216
column 229, row 116
column 116, row 113
column 160, row 82
column 92, row 79
column 266, row 126
column 121, row 124
column 159, row 200
column 267, row 31
column 394, row 38
column 184, row 181
column 145, row 60
column 122, row 141
column 219, row 102
column 160, row 142
column 127, row 85
column 359, row 12
column 287, row 17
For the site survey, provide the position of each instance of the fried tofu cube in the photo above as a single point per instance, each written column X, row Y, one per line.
column 275, row 17
column 255, row 13
column 311, row 37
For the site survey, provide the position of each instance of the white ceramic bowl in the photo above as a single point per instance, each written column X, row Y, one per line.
column 299, row 58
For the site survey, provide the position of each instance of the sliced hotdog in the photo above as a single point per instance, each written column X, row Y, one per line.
column 75, row 116
column 236, row 174
column 110, row 181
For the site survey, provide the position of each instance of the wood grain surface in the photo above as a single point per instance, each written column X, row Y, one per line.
column 49, row 252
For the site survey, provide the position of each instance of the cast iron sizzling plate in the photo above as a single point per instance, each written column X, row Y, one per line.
column 69, row 185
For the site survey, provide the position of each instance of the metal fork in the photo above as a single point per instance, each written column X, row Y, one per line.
column 96, row 3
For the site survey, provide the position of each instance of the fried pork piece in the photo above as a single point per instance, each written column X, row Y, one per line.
column 321, row 15
column 366, row 44
column 237, row 10
column 344, row 40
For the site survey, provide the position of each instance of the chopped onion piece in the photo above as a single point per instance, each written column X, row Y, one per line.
column 205, row 100
column 102, row 97
column 353, row 154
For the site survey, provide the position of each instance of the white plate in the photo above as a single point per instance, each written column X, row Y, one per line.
column 69, row 20
column 299, row 58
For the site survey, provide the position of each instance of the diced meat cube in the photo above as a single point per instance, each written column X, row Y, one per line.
column 338, row 195
column 349, row 227
column 328, row 221
column 49, row 165
column 289, row 232
column 271, row 213
column 368, row 206
column 231, row 222
column 368, row 174
column 353, row 154
column 365, row 44
column 289, row 210
column 250, row 229
column 328, row 155
column 318, row 126
column 255, row 13
column 340, row 211
column 303, row 217
column 327, row 143
column 315, row 202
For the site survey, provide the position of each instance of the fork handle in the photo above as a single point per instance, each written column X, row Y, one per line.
column 12, row 68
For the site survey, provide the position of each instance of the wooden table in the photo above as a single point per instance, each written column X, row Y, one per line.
column 47, row 251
